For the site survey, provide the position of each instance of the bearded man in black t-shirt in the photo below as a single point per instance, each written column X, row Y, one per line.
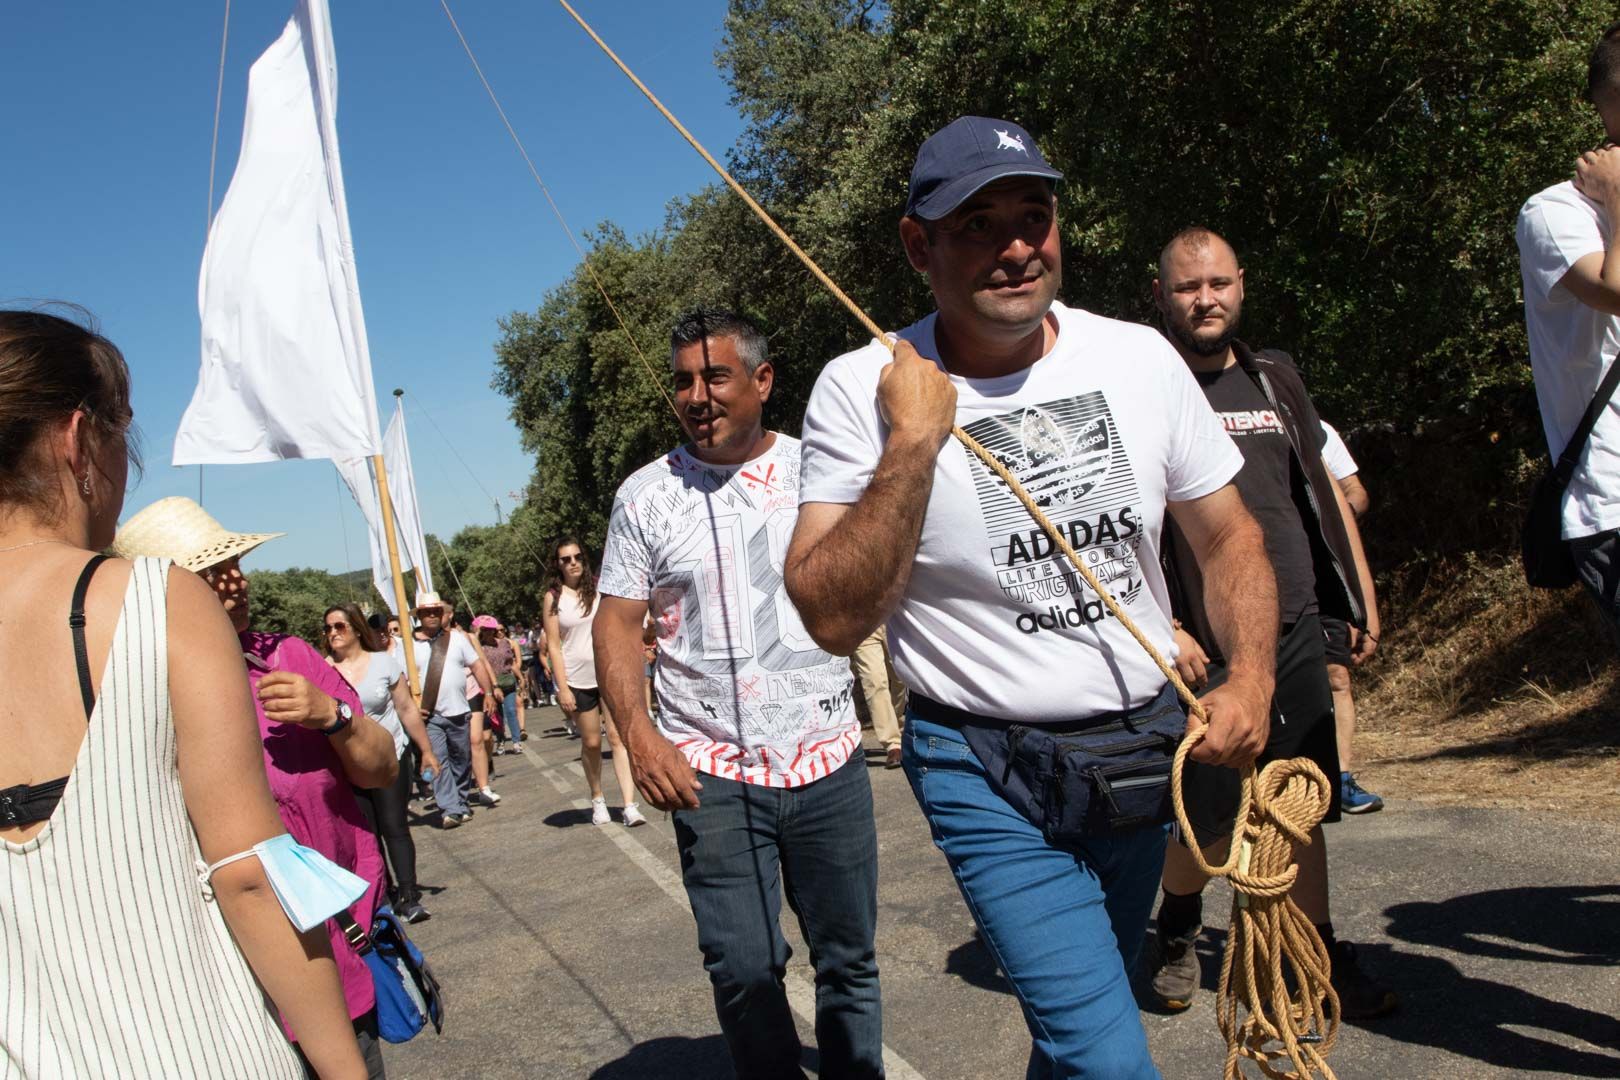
column 1311, row 539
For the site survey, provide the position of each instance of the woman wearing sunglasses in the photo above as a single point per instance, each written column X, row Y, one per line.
column 357, row 651
column 569, row 608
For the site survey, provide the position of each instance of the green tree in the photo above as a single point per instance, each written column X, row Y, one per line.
column 1366, row 158
column 294, row 601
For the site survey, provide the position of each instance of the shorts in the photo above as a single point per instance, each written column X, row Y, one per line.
column 1301, row 726
column 586, row 700
column 1597, row 562
column 475, row 703
column 1336, row 633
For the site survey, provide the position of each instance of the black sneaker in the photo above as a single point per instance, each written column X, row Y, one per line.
column 412, row 911
column 1360, row 998
column 1177, row 973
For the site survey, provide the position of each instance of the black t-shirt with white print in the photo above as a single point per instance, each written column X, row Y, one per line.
column 1266, row 483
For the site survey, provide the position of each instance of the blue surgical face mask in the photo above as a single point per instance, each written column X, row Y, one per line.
column 311, row 887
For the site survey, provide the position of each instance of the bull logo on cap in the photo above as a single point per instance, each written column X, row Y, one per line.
column 1006, row 140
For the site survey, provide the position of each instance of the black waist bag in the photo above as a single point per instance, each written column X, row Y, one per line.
column 1081, row 780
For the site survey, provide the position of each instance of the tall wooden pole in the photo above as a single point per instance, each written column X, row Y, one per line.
column 407, row 642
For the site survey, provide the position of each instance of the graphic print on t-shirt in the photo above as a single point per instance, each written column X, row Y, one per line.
column 1068, row 456
column 742, row 668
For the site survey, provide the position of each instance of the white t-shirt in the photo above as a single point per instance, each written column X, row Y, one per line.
column 459, row 660
column 1571, row 346
column 1101, row 431
column 1336, row 455
column 743, row 690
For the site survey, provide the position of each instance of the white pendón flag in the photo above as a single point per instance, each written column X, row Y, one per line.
column 286, row 371
column 362, row 484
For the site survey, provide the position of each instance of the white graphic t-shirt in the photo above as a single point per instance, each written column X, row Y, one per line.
column 743, row 690
column 1100, row 431
column 1571, row 346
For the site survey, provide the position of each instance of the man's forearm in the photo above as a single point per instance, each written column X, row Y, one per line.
column 1361, row 569
column 1240, row 600
column 619, row 676
column 845, row 585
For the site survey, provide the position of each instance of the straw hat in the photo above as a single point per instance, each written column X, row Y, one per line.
column 427, row 598
column 177, row 528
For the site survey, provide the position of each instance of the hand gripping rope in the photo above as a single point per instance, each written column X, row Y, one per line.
column 1260, row 1018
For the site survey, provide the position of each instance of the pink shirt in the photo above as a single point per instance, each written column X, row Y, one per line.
column 315, row 800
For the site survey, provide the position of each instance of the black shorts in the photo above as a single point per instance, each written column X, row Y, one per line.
column 1336, row 633
column 475, row 703
column 1301, row 726
column 586, row 700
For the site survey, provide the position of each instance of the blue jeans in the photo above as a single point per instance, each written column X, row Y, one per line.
column 509, row 722
column 739, row 850
column 1064, row 922
column 452, row 745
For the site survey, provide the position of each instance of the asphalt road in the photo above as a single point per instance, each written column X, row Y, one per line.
column 567, row 950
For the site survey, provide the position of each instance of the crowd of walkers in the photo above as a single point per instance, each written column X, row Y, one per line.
column 201, row 819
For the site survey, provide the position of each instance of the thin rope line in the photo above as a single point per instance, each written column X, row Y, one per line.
column 781, row 234
column 219, row 93
column 213, row 155
column 583, row 258
column 480, row 484
column 343, row 526
column 468, row 604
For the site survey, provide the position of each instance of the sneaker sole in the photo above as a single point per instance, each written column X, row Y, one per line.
column 1369, row 808
column 1175, row 1004
column 633, row 824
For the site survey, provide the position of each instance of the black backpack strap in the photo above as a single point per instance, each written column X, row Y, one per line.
column 1564, row 470
column 81, row 652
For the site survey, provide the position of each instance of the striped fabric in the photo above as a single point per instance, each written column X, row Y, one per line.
column 111, row 964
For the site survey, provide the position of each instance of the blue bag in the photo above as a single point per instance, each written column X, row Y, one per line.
column 408, row 995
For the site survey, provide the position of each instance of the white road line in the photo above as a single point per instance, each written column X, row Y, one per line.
column 801, row 993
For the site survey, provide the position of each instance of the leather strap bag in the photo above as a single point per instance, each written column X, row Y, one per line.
column 435, row 672
column 1543, row 550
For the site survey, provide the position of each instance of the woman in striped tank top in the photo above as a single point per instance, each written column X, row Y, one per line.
column 122, row 770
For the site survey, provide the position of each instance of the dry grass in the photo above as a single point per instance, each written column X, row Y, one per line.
column 1487, row 693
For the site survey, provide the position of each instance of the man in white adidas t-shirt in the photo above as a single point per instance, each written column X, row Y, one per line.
column 1105, row 428
column 751, row 704
column 1569, row 257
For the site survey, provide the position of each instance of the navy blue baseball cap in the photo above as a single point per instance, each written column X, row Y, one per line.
column 966, row 154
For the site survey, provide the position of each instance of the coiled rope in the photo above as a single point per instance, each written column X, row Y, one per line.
column 1260, row 1019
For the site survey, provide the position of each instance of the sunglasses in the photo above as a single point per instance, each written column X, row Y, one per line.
column 334, row 627
column 570, row 558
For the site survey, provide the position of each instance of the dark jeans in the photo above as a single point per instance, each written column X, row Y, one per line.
column 385, row 813
column 739, row 850
column 1597, row 560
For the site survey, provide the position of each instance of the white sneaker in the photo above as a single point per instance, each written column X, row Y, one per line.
column 490, row 795
column 633, row 816
column 599, row 812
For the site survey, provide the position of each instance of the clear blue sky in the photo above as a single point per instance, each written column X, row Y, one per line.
column 107, row 110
